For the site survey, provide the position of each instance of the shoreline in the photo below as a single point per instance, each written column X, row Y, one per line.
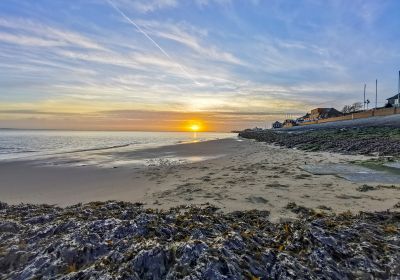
column 91, row 147
column 238, row 174
column 249, row 211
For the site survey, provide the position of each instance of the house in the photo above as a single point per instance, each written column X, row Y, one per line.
column 289, row 123
column 324, row 113
column 304, row 118
column 393, row 101
column 277, row 125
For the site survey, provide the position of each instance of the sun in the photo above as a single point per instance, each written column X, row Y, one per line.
column 195, row 127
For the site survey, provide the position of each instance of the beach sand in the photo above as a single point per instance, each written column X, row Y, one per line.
column 235, row 175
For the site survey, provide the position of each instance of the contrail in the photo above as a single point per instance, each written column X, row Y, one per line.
column 151, row 39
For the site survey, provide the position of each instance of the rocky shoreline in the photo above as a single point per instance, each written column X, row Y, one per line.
column 119, row 240
column 381, row 141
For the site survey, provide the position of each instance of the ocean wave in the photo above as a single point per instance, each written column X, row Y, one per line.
column 9, row 151
column 55, row 153
column 92, row 149
column 196, row 140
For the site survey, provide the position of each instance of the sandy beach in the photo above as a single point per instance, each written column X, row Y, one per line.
column 232, row 174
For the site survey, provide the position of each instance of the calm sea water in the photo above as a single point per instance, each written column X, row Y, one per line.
column 41, row 144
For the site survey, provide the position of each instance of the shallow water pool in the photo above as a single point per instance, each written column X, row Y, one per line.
column 357, row 173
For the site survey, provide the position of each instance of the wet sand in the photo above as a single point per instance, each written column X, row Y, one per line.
column 236, row 175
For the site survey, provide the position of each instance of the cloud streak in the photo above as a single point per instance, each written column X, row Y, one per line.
column 148, row 6
column 45, row 35
column 177, row 33
column 187, row 74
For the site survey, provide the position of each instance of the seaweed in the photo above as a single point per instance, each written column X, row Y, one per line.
column 120, row 240
column 383, row 141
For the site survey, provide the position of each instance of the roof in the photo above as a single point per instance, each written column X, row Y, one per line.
column 393, row 97
column 334, row 112
column 327, row 112
column 289, row 121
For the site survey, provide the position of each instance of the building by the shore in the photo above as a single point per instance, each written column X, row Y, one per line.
column 289, row 123
column 393, row 101
column 277, row 125
column 318, row 114
column 324, row 113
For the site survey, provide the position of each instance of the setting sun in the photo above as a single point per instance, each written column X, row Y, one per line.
column 195, row 127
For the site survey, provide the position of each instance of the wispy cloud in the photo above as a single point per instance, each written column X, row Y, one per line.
column 189, row 36
column 152, row 40
column 36, row 34
column 202, row 3
column 28, row 40
column 147, row 6
column 251, row 60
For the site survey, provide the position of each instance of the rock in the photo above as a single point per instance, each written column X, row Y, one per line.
column 381, row 141
column 6, row 226
column 366, row 188
column 119, row 240
column 152, row 264
column 292, row 206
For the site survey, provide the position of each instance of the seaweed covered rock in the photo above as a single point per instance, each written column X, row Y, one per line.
column 119, row 240
column 361, row 140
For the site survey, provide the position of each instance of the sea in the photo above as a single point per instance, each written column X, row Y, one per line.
column 54, row 147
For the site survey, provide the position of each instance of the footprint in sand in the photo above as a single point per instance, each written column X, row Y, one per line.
column 345, row 196
column 276, row 185
column 302, row 176
column 205, row 179
column 257, row 199
column 273, row 176
column 323, row 207
column 209, row 195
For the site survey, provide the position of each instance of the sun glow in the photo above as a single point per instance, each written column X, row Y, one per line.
column 195, row 127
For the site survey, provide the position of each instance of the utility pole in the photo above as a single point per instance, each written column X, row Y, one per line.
column 376, row 94
column 365, row 87
column 398, row 94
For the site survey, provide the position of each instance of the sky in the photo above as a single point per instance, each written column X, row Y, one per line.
column 164, row 65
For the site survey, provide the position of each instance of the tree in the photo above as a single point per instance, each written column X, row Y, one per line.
column 352, row 108
column 346, row 109
column 357, row 106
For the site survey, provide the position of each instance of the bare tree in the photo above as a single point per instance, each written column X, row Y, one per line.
column 346, row 109
column 356, row 106
column 352, row 108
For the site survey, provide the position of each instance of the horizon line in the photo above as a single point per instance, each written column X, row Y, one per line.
column 111, row 130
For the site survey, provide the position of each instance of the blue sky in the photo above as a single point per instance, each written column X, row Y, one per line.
column 85, row 64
